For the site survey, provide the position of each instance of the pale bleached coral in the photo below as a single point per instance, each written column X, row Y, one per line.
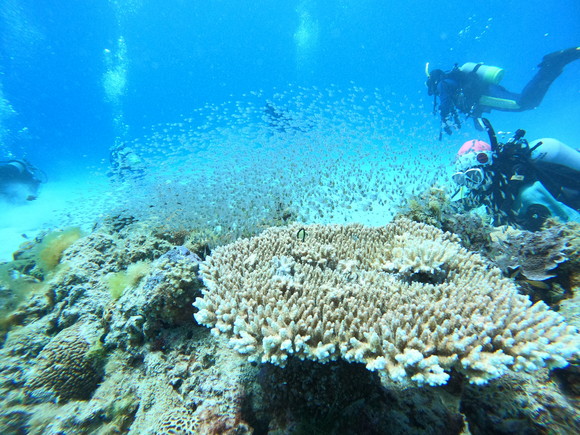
column 405, row 299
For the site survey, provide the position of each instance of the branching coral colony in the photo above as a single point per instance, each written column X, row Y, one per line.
column 405, row 299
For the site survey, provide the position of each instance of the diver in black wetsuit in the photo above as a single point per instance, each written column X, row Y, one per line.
column 281, row 120
column 474, row 88
column 19, row 180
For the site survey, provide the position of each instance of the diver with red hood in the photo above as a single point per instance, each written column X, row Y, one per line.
column 519, row 183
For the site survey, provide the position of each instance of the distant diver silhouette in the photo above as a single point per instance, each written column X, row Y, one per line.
column 473, row 88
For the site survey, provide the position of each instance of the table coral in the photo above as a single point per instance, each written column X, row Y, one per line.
column 405, row 299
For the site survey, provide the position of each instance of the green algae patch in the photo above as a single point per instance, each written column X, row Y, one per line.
column 53, row 245
column 14, row 289
column 119, row 281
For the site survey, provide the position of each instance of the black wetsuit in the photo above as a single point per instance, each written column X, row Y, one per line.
column 506, row 181
column 515, row 167
column 14, row 173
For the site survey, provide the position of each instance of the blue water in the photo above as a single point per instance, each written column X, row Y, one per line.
column 183, row 54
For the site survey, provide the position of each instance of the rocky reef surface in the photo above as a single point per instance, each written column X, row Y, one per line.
column 105, row 342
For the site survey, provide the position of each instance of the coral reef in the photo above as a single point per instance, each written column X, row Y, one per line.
column 434, row 207
column 33, row 263
column 150, row 369
column 333, row 156
column 119, row 281
column 177, row 421
column 431, row 207
column 184, row 422
column 346, row 398
column 544, row 263
column 400, row 299
column 520, row 403
column 53, row 245
column 77, row 360
column 571, row 268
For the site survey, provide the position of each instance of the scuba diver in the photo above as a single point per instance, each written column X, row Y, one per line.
column 474, row 88
column 20, row 180
column 519, row 183
column 125, row 163
column 276, row 118
column 281, row 120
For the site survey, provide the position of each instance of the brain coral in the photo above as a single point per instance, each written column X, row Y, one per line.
column 405, row 299
column 181, row 421
column 177, row 422
column 66, row 369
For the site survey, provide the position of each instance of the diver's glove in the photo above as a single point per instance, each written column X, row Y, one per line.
column 450, row 121
column 447, row 129
column 477, row 124
column 444, row 127
column 448, row 125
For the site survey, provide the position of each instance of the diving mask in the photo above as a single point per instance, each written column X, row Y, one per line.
column 471, row 178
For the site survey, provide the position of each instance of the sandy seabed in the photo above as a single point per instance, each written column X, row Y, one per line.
column 60, row 204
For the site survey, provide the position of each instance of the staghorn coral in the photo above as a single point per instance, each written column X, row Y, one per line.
column 405, row 299
column 66, row 368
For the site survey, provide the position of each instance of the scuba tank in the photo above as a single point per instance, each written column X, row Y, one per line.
column 489, row 74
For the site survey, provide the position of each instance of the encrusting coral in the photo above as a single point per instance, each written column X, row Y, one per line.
column 535, row 255
column 183, row 422
column 405, row 299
